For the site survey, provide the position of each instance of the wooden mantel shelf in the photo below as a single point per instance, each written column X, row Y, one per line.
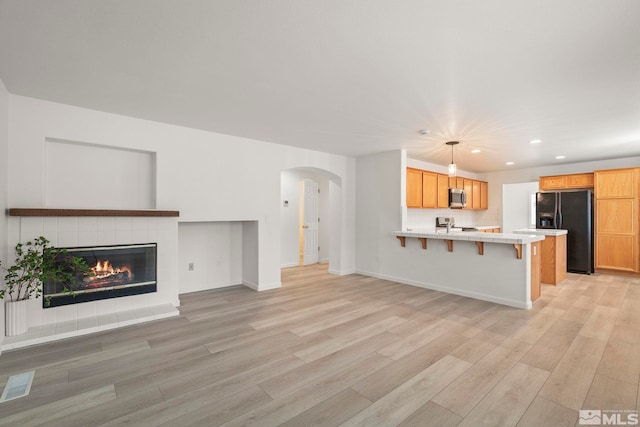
column 90, row 212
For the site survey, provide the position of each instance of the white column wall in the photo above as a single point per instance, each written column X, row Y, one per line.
column 4, row 148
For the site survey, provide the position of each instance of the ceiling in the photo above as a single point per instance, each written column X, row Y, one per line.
column 348, row 77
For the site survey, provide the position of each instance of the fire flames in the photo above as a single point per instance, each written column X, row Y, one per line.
column 106, row 274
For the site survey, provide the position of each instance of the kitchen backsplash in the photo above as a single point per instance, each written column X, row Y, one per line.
column 426, row 218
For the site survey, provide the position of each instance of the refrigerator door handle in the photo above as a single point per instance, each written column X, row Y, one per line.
column 555, row 211
column 559, row 224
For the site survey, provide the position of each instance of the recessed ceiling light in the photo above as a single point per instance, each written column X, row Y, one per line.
column 475, row 151
column 509, row 163
column 535, row 141
column 424, row 132
column 559, row 157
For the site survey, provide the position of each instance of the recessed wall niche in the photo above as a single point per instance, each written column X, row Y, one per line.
column 83, row 175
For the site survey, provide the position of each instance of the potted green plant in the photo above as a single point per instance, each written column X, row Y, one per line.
column 36, row 263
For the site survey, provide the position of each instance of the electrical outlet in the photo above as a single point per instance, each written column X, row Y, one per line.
column 191, row 266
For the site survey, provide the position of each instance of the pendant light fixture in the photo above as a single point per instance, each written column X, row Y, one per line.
column 452, row 167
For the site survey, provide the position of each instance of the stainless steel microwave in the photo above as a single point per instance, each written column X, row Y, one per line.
column 457, row 198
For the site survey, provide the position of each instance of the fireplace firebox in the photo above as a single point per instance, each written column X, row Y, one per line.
column 116, row 271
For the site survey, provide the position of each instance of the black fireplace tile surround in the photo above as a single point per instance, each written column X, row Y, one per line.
column 117, row 271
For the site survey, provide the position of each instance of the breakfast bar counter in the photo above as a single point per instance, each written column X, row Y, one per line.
column 497, row 267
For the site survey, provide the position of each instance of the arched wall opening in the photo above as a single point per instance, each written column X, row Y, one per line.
column 329, row 212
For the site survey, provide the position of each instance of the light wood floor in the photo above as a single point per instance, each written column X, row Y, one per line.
column 327, row 350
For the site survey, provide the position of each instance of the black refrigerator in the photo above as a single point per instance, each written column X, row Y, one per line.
column 571, row 211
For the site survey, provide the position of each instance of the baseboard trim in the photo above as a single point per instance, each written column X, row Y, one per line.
column 289, row 265
column 269, row 286
column 261, row 288
column 340, row 273
column 616, row 272
column 455, row 291
column 250, row 285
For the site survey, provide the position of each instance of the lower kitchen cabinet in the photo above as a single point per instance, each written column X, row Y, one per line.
column 554, row 259
column 535, row 270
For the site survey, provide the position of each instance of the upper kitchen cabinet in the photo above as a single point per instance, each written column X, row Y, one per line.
column 468, row 189
column 427, row 189
column 476, row 199
column 564, row 182
column 580, row 180
column 484, row 195
column 443, row 191
column 414, row 188
column 616, row 183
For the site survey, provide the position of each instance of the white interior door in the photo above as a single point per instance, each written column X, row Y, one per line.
column 310, row 222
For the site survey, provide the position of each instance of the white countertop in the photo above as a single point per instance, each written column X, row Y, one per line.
column 541, row 232
column 474, row 236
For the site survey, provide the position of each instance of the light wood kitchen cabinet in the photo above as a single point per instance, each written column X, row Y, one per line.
column 536, row 270
column 484, row 195
column 443, row 191
column 580, row 180
column 554, row 259
column 565, row 182
column 616, row 184
column 616, row 253
column 553, row 182
column 476, row 199
column 429, row 189
column 414, row 188
column 616, row 216
column 617, row 220
column 468, row 189
column 490, row 230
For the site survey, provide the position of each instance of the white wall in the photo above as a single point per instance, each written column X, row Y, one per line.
column 4, row 146
column 498, row 179
column 215, row 249
column 250, row 255
column 516, row 205
column 379, row 209
column 206, row 176
column 290, row 227
column 107, row 178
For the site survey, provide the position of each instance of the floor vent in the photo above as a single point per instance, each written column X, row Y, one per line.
column 18, row 385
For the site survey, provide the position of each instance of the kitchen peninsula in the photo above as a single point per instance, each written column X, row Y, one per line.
column 497, row 267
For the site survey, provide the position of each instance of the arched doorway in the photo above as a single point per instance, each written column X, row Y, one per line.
column 329, row 202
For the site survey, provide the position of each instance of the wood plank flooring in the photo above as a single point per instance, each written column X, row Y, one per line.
column 352, row 350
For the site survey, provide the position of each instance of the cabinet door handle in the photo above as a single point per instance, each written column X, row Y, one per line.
column 305, row 226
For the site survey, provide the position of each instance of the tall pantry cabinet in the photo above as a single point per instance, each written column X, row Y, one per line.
column 617, row 222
